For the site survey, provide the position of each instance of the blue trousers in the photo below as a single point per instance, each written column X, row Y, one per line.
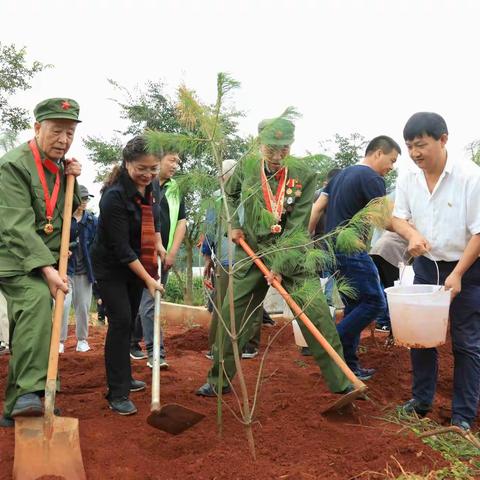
column 368, row 304
column 146, row 312
column 465, row 333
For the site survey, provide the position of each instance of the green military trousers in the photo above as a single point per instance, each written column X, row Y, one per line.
column 29, row 306
column 222, row 285
column 249, row 290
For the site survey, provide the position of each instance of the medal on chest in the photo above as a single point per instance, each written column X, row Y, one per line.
column 50, row 200
column 274, row 204
column 293, row 191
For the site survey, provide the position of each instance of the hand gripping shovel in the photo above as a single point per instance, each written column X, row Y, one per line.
column 50, row 445
column 359, row 387
column 170, row 418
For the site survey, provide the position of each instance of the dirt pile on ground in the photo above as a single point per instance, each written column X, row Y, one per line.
column 294, row 441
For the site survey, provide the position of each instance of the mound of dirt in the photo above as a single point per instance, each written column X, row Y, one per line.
column 293, row 440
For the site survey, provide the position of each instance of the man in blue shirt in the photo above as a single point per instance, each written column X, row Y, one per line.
column 346, row 194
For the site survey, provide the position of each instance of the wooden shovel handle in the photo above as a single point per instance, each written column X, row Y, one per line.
column 50, row 387
column 306, row 321
column 155, row 405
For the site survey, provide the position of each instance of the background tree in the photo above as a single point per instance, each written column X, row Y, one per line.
column 8, row 140
column 15, row 76
column 473, row 150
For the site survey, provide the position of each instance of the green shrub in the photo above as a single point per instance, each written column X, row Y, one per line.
column 175, row 287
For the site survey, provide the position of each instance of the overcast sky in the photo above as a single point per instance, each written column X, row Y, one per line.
column 347, row 65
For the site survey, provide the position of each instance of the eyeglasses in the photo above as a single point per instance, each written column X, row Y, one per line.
column 143, row 170
column 271, row 150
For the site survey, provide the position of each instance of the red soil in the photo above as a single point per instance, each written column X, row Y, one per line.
column 294, row 441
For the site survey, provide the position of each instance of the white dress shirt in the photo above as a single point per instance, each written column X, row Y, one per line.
column 447, row 217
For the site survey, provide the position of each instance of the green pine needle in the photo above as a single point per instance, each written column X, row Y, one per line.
column 348, row 241
column 307, row 291
column 345, row 289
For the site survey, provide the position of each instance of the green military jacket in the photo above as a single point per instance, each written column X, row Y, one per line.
column 24, row 245
column 245, row 185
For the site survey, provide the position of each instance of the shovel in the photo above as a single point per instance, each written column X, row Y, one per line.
column 50, row 445
column 359, row 387
column 171, row 418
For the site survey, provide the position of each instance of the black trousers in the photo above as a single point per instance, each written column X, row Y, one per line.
column 465, row 332
column 121, row 298
column 388, row 272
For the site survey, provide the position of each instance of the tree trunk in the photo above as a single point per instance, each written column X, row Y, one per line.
column 188, row 294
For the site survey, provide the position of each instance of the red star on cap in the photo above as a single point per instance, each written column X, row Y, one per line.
column 65, row 105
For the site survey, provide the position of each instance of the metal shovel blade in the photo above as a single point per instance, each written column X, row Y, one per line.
column 346, row 399
column 173, row 418
column 55, row 452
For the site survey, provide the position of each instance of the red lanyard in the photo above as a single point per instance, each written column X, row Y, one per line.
column 274, row 204
column 50, row 202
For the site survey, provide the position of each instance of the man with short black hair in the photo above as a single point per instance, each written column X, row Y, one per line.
column 437, row 212
column 346, row 194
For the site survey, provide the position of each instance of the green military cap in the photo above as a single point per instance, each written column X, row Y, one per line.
column 276, row 131
column 57, row 108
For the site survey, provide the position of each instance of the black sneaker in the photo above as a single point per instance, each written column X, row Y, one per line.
column 250, row 352
column 4, row 350
column 209, row 390
column 28, row 405
column 364, row 374
column 267, row 320
column 463, row 424
column 209, row 355
column 137, row 385
column 415, row 406
column 163, row 362
column 382, row 328
column 122, row 405
column 137, row 353
column 7, row 422
column 305, row 351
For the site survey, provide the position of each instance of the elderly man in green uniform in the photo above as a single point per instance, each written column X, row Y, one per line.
column 32, row 198
column 287, row 193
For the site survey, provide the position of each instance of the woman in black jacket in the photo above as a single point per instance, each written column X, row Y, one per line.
column 124, row 261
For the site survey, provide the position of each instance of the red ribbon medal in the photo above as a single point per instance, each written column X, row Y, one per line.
column 274, row 204
column 50, row 201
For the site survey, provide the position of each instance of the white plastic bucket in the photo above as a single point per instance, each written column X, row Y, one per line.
column 419, row 315
column 297, row 333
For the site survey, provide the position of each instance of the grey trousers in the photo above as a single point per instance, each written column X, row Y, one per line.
column 80, row 294
column 3, row 319
column 146, row 312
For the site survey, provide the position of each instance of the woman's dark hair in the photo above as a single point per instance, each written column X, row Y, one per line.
column 134, row 149
column 424, row 123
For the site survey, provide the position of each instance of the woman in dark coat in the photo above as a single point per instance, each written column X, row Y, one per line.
column 124, row 261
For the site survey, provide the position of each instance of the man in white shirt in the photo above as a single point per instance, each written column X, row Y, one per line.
column 442, row 200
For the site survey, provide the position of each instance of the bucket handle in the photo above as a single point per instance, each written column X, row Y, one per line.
column 431, row 258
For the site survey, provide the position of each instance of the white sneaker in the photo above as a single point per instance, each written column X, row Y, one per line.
column 61, row 348
column 83, row 346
